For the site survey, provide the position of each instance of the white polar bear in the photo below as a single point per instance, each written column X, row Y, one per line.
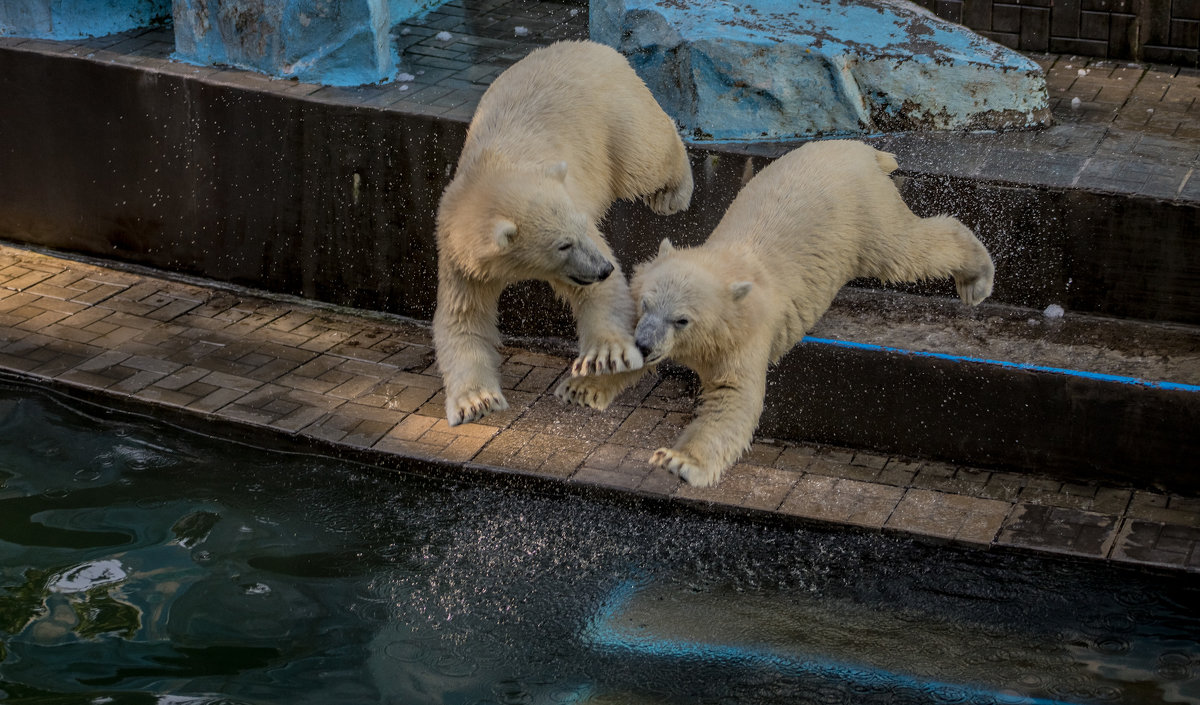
column 555, row 140
column 812, row 221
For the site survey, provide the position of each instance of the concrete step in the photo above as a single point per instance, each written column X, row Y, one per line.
column 1082, row 397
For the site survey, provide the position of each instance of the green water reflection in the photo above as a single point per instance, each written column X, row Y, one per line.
column 144, row 564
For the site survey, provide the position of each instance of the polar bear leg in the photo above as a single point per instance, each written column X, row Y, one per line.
column 721, row 431
column 926, row 248
column 465, row 338
column 597, row 391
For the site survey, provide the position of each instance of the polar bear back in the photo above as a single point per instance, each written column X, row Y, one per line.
column 579, row 102
column 813, row 220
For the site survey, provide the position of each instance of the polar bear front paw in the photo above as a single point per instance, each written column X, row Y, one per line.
column 594, row 392
column 685, row 466
column 608, row 358
column 474, row 405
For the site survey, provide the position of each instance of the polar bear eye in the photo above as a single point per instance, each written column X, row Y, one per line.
column 681, row 323
column 564, row 247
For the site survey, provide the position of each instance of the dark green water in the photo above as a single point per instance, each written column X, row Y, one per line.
column 143, row 564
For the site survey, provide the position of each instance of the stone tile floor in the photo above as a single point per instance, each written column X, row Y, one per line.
column 1135, row 128
column 359, row 381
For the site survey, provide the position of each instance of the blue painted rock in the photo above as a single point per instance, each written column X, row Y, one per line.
column 75, row 19
column 341, row 43
column 778, row 69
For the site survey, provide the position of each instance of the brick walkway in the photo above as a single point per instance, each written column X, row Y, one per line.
column 366, row 382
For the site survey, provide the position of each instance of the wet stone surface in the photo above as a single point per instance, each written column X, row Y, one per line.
column 370, row 384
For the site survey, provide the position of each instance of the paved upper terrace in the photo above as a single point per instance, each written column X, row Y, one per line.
column 1121, row 126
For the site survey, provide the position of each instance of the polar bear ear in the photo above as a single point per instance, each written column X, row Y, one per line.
column 740, row 289
column 557, row 171
column 503, row 231
column 665, row 247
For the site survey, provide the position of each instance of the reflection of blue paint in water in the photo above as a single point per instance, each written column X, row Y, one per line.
column 601, row 633
column 1175, row 386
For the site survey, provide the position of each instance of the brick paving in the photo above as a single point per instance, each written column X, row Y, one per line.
column 362, row 382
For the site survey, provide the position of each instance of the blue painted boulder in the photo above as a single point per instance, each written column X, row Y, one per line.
column 778, row 69
column 342, row 43
column 75, row 19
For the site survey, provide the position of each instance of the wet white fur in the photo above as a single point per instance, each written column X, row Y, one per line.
column 555, row 140
column 812, row 221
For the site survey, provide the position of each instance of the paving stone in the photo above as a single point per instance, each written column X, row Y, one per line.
column 839, row 500
column 1060, row 530
column 1157, row 543
column 620, row 478
column 949, row 516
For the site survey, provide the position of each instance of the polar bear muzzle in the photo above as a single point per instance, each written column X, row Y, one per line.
column 587, row 265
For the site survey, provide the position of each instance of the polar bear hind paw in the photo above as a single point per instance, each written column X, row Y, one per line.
column 591, row 392
column 669, row 200
column 686, row 467
column 474, row 405
column 975, row 289
column 607, row 358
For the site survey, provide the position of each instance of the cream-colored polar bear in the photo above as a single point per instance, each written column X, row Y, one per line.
column 555, row 140
column 809, row 223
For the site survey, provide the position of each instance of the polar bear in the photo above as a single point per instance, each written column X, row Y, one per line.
column 817, row 218
column 555, row 140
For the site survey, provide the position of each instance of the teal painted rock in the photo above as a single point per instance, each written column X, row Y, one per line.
column 778, row 69
column 75, row 19
column 341, row 43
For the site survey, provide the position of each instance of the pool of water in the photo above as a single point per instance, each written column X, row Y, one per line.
column 141, row 563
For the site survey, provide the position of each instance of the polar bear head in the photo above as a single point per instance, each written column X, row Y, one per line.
column 688, row 307
column 518, row 224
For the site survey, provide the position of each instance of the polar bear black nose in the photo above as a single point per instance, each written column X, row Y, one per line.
column 604, row 272
column 644, row 349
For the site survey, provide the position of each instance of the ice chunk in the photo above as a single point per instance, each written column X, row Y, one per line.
column 89, row 575
column 1053, row 311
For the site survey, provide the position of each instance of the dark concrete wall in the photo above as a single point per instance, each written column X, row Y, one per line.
column 984, row 415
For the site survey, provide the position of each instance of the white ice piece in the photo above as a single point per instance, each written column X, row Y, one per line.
column 89, row 575
column 1053, row 311
column 444, row 36
column 520, row 31
column 1076, row 103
